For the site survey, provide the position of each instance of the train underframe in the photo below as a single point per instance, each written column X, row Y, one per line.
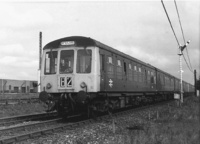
column 90, row 104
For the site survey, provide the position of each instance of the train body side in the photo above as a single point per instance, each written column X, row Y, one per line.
column 121, row 74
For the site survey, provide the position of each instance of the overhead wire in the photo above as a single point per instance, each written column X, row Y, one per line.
column 187, row 63
column 170, row 22
column 179, row 21
column 190, row 67
column 174, row 32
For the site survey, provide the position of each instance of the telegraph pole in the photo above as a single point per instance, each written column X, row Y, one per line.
column 181, row 48
column 181, row 75
column 40, row 61
column 40, row 50
column 195, row 82
column 2, row 85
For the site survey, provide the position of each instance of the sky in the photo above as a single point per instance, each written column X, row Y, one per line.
column 138, row 28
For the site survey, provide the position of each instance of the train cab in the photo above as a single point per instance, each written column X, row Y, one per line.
column 70, row 65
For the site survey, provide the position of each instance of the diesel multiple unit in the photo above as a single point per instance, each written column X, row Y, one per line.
column 80, row 74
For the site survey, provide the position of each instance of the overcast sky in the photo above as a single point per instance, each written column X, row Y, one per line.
column 138, row 28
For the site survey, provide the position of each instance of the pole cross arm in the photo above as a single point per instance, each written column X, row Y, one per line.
column 184, row 46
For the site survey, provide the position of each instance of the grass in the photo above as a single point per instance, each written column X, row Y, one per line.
column 179, row 125
column 18, row 95
column 21, row 109
column 173, row 125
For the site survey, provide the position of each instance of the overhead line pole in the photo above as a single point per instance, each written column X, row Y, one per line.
column 40, row 61
column 195, row 82
column 2, row 86
column 181, row 48
column 181, row 75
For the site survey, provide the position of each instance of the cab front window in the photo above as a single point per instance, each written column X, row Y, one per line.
column 66, row 61
column 50, row 62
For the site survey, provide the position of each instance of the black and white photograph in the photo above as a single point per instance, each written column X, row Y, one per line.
column 99, row 72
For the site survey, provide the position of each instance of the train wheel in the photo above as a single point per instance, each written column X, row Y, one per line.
column 110, row 109
column 91, row 112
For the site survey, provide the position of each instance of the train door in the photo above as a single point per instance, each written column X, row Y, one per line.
column 152, row 80
column 102, row 72
column 110, row 82
column 135, row 77
column 119, row 74
column 159, row 85
column 125, row 77
column 130, row 77
column 145, row 78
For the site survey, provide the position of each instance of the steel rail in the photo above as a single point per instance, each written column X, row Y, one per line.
column 13, row 101
column 46, row 131
column 25, row 117
column 26, row 126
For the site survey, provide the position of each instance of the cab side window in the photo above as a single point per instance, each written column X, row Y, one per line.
column 50, row 62
column 84, row 61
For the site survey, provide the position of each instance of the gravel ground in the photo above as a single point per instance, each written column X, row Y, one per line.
column 162, row 125
column 111, row 131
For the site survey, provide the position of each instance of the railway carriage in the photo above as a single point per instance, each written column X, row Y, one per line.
column 82, row 74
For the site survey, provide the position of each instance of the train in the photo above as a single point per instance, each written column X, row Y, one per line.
column 82, row 75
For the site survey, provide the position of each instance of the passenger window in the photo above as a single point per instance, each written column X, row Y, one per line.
column 145, row 76
column 135, row 68
column 152, row 77
column 119, row 63
column 142, row 74
column 125, row 67
column 110, row 67
column 139, row 74
column 140, row 69
column 102, row 63
column 130, row 75
column 135, row 73
column 84, row 61
column 119, row 69
column 130, row 66
column 110, row 60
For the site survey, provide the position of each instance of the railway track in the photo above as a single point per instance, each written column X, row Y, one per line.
column 17, row 101
column 24, row 118
column 34, row 129
column 37, row 129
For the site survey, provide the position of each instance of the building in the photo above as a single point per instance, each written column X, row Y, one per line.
column 18, row 86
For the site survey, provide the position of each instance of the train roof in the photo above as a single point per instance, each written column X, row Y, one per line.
column 79, row 41
column 87, row 41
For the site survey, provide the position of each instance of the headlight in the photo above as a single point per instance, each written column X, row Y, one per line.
column 48, row 86
column 83, row 85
